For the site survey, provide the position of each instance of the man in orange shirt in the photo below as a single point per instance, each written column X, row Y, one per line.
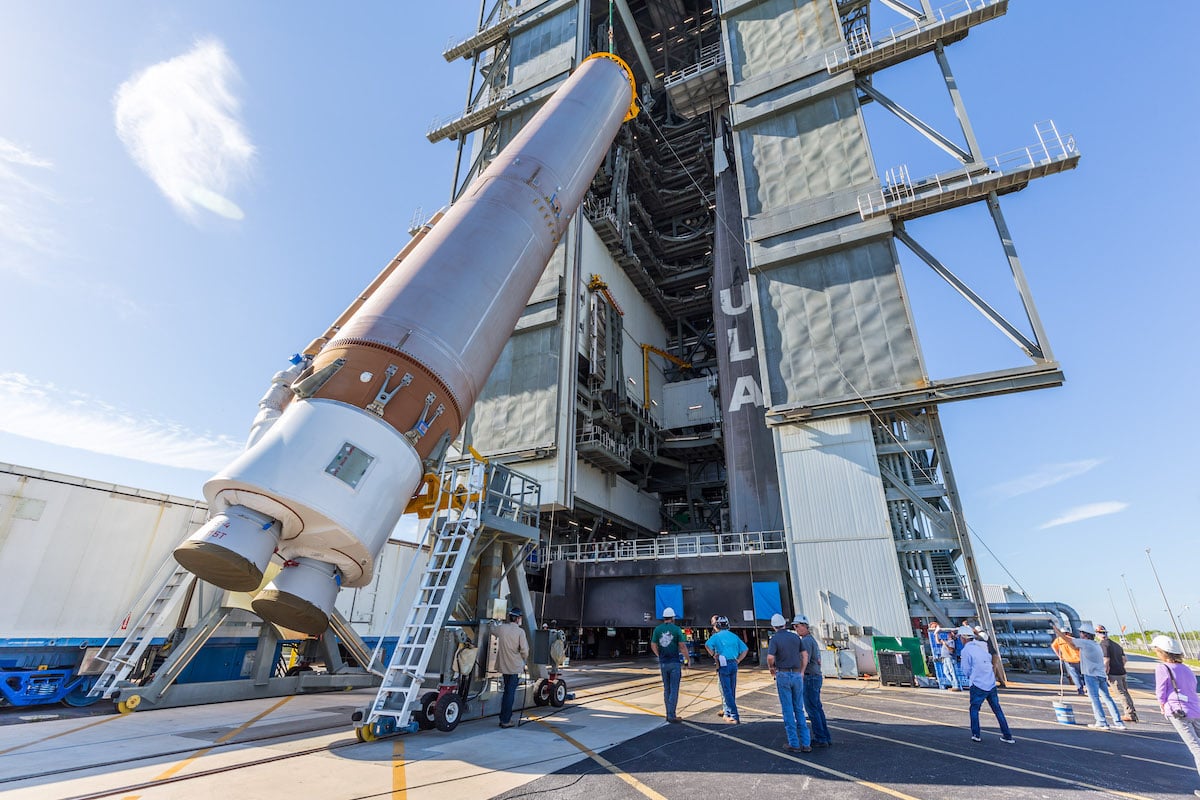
column 1068, row 654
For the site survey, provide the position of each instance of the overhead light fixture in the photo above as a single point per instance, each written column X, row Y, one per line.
column 633, row 382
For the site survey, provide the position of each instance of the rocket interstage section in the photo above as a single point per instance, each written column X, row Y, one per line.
column 326, row 483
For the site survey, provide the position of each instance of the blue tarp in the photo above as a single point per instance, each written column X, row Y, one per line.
column 766, row 599
column 668, row 595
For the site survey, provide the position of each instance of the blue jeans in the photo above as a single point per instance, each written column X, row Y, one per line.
column 816, row 711
column 507, row 699
column 727, row 675
column 1075, row 675
column 790, row 686
column 1098, row 689
column 671, row 672
column 993, row 700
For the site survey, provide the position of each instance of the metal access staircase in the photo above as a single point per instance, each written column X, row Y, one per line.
column 159, row 600
column 460, row 492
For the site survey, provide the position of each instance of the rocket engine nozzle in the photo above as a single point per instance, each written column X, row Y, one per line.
column 232, row 549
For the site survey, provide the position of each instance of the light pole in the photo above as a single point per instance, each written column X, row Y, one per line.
column 1136, row 616
column 1170, row 613
column 1116, row 616
column 1190, row 641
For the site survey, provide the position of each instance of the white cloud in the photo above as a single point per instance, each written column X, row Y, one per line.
column 179, row 121
column 1088, row 511
column 1045, row 475
column 49, row 413
column 26, row 230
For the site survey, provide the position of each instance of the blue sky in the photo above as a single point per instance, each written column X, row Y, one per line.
column 190, row 193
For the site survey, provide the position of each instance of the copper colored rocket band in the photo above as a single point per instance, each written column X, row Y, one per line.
column 403, row 411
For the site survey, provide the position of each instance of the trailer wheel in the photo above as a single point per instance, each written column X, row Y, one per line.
column 447, row 712
column 78, row 696
column 426, row 715
column 541, row 694
column 558, row 693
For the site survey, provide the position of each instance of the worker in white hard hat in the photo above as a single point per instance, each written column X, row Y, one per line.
column 786, row 662
column 1091, row 664
column 668, row 643
column 813, row 679
column 1175, row 688
column 981, row 683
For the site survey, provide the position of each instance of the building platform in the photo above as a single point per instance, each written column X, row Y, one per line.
column 612, row 741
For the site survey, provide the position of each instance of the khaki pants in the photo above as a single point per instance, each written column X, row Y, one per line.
column 1118, row 685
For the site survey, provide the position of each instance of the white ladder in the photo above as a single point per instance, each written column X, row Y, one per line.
column 449, row 552
column 137, row 637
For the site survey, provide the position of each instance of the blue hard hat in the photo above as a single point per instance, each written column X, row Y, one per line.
column 516, row 612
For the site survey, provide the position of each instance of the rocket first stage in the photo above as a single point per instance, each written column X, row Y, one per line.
column 325, row 483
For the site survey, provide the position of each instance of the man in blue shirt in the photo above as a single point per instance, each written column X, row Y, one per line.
column 668, row 644
column 981, row 680
column 727, row 651
column 813, row 678
column 785, row 658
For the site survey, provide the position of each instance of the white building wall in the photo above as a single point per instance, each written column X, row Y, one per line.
column 609, row 491
column 640, row 323
column 844, row 567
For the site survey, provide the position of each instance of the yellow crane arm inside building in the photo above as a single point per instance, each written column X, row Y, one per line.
column 647, row 349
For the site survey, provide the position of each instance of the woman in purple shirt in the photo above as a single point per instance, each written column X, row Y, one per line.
column 1175, row 686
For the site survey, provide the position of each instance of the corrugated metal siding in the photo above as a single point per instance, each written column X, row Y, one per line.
column 516, row 409
column 542, row 47
column 771, row 34
column 836, row 519
column 805, row 152
column 837, row 326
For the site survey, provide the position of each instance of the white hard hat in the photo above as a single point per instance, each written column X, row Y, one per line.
column 777, row 621
column 1086, row 627
column 668, row 613
column 966, row 633
column 799, row 619
column 1166, row 644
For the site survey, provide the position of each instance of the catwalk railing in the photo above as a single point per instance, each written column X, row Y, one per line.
column 683, row 545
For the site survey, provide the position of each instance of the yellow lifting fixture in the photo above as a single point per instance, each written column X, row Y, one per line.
column 597, row 284
column 428, row 499
column 647, row 349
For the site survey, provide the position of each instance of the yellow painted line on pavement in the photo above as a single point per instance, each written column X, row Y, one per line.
column 806, row 762
column 1128, row 733
column 1067, row 781
column 199, row 753
column 1046, row 776
column 818, row 767
column 608, row 765
column 61, row 733
column 1025, row 736
column 399, row 782
column 927, row 721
